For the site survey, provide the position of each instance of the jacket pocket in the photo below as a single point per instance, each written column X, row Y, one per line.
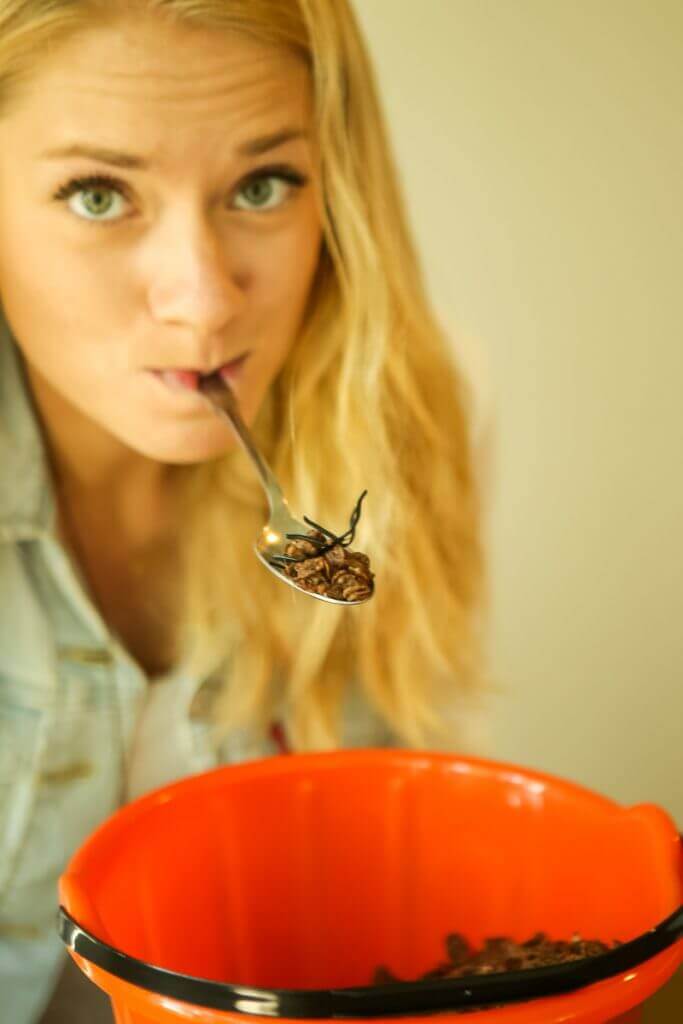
column 20, row 735
column 62, row 776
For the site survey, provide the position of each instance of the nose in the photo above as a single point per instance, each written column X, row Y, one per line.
column 196, row 283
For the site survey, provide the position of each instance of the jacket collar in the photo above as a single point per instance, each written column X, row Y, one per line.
column 27, row 507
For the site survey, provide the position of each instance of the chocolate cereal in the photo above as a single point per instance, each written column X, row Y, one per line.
column 322, row 562
column 501, row 954
column 338, row 573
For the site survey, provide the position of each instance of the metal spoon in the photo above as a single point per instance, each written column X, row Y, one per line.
column 273, row 538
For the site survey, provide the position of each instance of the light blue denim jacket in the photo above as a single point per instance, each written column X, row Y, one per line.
column 70, row 698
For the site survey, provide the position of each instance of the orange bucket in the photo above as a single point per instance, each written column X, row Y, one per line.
column 275, row 888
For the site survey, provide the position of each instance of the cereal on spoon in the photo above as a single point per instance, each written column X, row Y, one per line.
column 322, row 562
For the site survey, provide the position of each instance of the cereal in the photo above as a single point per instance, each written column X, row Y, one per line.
column 338, row 573
column 501, row 954
column 322, row 562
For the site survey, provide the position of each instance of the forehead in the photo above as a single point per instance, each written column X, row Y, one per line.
column 169, row 84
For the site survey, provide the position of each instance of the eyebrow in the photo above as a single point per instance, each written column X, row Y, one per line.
column 129, row 161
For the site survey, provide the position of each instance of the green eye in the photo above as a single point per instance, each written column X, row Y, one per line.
column 97, row 201
column 259, row 192
column 263, row 193
column 94, row 197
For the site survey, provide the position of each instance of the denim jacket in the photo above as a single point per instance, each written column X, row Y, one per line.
column 70, row 697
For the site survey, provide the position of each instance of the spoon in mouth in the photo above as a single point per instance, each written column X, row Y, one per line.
column 283, row 535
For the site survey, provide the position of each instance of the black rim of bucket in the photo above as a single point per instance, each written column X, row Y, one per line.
column 374, row 1000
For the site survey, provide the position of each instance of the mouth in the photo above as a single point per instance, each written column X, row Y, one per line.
column 189, row 379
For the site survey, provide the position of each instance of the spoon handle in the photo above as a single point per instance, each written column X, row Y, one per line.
column 222, row 398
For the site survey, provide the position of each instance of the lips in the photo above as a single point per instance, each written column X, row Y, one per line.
column 183, row 379
column 189, row 379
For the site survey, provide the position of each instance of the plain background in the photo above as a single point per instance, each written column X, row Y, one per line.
column 541, row 153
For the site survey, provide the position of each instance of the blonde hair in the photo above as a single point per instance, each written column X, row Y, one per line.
column 369, row 397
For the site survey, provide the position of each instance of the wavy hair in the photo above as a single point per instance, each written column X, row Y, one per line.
column 370, row 397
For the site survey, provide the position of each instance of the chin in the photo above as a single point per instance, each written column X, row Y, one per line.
column 185, row 450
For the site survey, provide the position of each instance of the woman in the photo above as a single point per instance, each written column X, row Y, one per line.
column 186, row 186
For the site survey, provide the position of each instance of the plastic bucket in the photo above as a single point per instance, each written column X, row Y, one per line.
column 276, row 887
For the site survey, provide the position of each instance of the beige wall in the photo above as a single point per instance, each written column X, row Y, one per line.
column 540, row 143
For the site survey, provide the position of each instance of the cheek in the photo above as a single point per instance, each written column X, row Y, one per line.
column 25, row 261
column 51, row 291
column 289, row 285
column 286, row 274
column 57, row 275
column 282, row 288
column 55, row 312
